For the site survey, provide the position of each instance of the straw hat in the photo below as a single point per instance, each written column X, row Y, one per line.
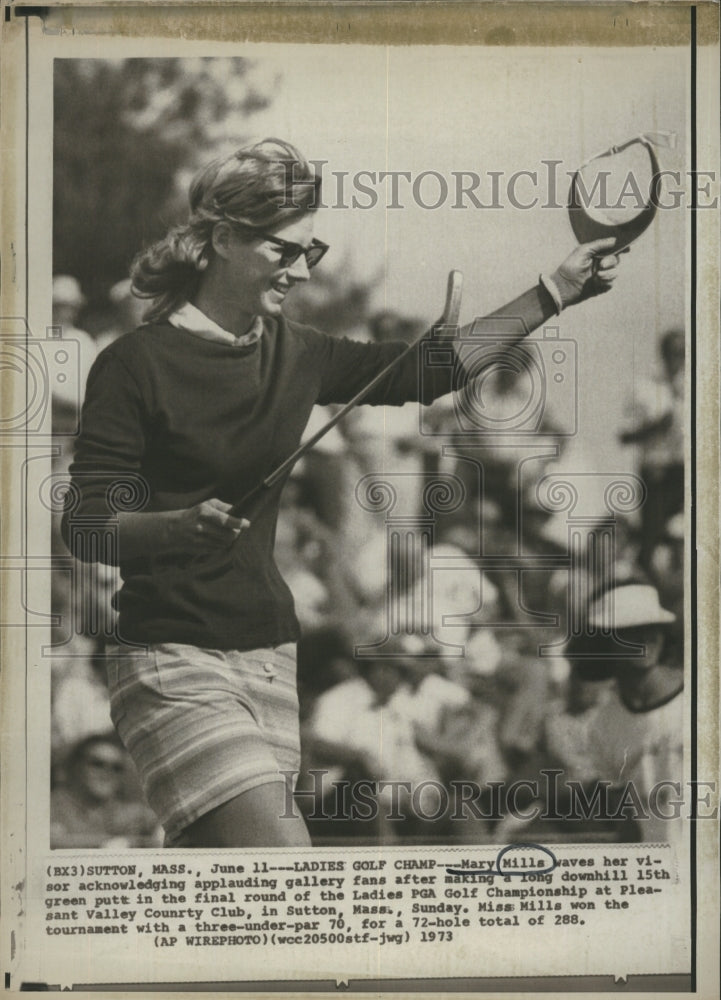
column 628, row 607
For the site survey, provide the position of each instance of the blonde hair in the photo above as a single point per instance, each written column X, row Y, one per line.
column 259, row 187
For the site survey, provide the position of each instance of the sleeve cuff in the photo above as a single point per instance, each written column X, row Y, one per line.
column 552, row 288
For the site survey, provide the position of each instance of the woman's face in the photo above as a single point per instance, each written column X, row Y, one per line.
column 255, row 281
column 651, row 637
column 101, row 771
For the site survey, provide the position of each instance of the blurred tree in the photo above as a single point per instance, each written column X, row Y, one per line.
column 127, row 133
column 336, row 301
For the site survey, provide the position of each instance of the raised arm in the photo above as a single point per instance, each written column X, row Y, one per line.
column 589, row 270
column 348, row 366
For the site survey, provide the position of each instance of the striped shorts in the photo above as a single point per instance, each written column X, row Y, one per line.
column 204, row 725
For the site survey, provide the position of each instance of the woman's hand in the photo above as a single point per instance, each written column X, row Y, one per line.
column 195, row 531
column 590, row 270
column 206, row 526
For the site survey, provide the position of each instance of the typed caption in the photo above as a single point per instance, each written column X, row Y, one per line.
column 361, row 910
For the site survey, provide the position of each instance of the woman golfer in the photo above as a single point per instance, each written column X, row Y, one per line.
column 200, row 404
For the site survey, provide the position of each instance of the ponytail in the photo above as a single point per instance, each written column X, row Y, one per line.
column 168, row 272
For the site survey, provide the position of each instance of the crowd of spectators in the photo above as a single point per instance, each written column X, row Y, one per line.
column 419, row 669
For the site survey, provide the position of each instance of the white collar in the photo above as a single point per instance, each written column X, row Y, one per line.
column 189, row 317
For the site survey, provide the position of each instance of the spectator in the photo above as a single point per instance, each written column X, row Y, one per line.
column 633, row 730
column 667, row 573
column 88, row 810
column 526, row 679
column 656, row 425
column 79, row 695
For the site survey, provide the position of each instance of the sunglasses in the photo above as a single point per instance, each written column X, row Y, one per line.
column 97, row 764
column 290, row 252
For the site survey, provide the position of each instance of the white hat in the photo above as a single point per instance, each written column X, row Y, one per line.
column 66, row 291
column 627, row 607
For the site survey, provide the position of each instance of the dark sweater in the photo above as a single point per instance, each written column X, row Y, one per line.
column 196, row 419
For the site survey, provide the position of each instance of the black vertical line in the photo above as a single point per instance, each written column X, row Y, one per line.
column 694, row 560
column 27, row 390
column 27, row 173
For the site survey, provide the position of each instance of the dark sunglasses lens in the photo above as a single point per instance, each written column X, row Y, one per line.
column 314, row 254
column 290, row 255
column 290, row 252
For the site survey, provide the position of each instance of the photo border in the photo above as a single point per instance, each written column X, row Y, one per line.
column 700, row 19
